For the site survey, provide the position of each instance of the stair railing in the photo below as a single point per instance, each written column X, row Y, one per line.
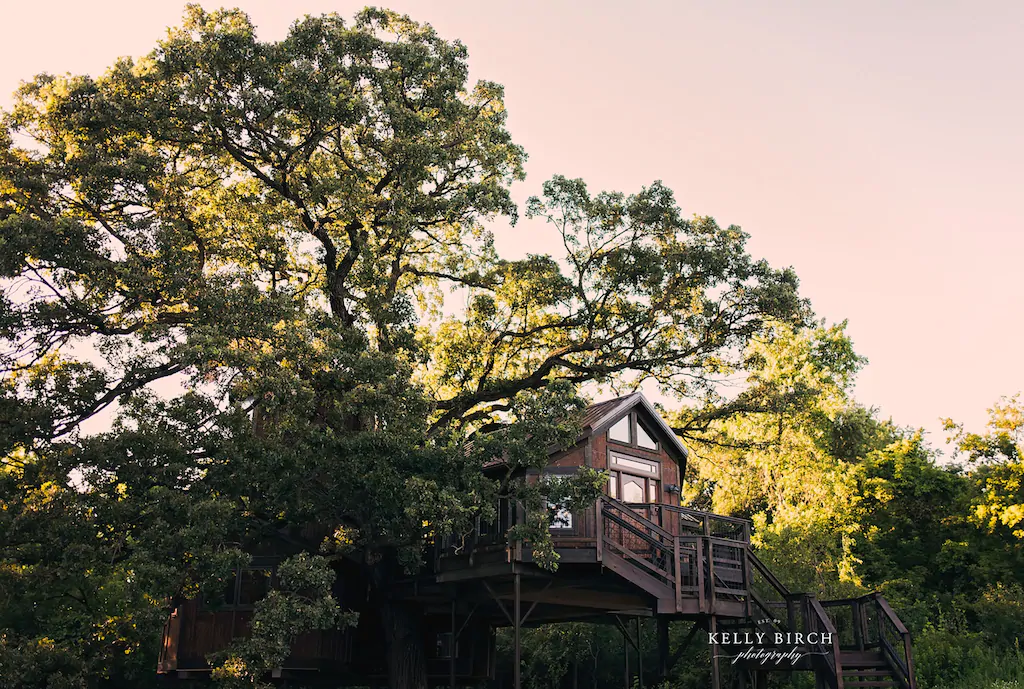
column 868, row 622
column 771, row 601
column 708, row 524
column 637, row 539
column 894, row 641
column 818, row 621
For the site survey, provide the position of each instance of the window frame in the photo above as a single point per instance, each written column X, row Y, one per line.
column 559, row 472
column 452, row 645
column 257, row 565
column 651, row 481
column 634, row 422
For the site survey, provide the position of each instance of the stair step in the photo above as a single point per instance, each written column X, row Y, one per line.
column 849, row 663
column 869, row 683
column 862, row 655
column 867, row 671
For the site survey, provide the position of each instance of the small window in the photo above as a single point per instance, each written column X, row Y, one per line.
column 644, row 438
column 652, row 491
column 444, row 645
column 620, row 431
column 613, row 485
column 254, row 585
column 562, row 518
column 242, row 590
column 635, row 465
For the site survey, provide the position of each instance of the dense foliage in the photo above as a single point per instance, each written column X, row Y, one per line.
column 844, row 503
column 222, row 320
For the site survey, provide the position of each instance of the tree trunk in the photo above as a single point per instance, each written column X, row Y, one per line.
column 406, row 657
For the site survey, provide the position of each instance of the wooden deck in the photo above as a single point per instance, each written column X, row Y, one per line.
column 671, row 562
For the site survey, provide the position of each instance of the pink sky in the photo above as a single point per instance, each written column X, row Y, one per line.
column 876, row 148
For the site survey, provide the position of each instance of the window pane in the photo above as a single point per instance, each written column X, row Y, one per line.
column 255, row 584
column 444, row 645
column 644, row 439
column 639, row 466
column 613, row 485
column 620, row 431
column 561, row 519
column 632, row 489
column 229, row 591
column 652, row 492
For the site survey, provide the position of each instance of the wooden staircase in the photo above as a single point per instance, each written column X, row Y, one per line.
column 700, row 566
column 867, row 669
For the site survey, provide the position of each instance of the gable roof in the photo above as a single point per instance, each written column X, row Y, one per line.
column 600, row 416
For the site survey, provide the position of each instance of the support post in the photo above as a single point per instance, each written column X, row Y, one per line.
column 716, row 673
column 662, row 649
column 639, row 654
column 451, row 651
column 625, row 659
column 517, row 671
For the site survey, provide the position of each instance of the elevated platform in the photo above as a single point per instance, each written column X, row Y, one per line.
column 673, row 563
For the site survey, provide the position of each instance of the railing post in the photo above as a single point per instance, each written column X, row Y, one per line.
column 865, row 633
column 699, row 566
column 911, row 680
column 679, row 576
column 599, row 528
column 858, row 623
column 791, row 618
column 711, row 575
column 879, row 631
column 746, row 577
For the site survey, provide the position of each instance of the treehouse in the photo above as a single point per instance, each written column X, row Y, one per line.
column 636, row 553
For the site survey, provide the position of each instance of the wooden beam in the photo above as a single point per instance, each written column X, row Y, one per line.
column 536, row 600
column 674, row 658
column 598, row 600
column 625, row 632
column 498, row 601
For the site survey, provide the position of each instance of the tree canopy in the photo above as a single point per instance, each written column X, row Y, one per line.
column 252, row 286
column 239, row 251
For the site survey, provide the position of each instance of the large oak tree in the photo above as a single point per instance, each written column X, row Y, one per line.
column 242, row 248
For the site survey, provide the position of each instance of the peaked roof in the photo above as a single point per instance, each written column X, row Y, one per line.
column 601, row 415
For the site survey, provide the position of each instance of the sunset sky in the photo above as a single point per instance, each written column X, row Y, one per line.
column 876, row 147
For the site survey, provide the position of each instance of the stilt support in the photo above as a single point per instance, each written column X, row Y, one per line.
column 662, row 648
column 639, row 654
column 451, row 650
column 716, row 672
column 517, row 673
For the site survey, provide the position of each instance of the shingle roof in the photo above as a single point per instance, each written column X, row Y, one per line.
column 596, row 411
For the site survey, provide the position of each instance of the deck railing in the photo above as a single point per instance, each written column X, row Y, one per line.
column 707, row 558
column 683, row 520
column 869, row 623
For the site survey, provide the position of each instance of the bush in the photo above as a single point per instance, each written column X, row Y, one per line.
column 946, row 659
